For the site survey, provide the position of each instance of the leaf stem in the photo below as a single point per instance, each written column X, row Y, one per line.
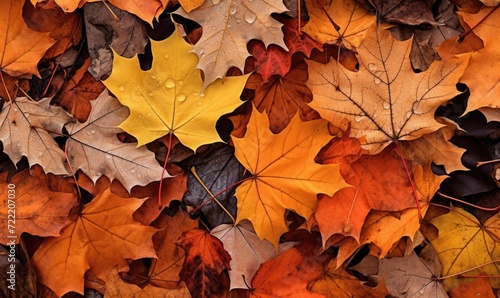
column 480, row 163
column 164, row 169
column 462, row 36
column 410, row 179
column 460, row 274
column 468, row 204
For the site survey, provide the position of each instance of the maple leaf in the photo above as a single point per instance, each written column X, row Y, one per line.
column 345, row 212
column 481, row 76
column 229, row 25
column 337, row 283
column 102, row 238
column 40, row 210
column 275, row 60
column 352, row 20
column 167, row 98
column 464, row 243
column 411, row 277
column 204, row 262
column 284, row 174
column 94, row 148
column 407, row 12
column 21, row 48
column 25, row 129
column 392, row 103
column 247, row 251
column 282, row 97
column 287, row 275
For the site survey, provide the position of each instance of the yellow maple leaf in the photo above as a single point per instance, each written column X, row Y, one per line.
column 285, row 175
column 385, row 101
column 168, row 99
column 464, row 243
column 350, row 16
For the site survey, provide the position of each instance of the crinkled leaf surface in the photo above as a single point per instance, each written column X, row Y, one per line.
column 227, row 27
column 94, row 147
column 20, row 47
column 205, row 260
column 385, row 101
column 247, row 251
column 464, row 243
column 285, row 175
column 168, row 99
column 409, row 12
column 102, row 238
column 25, row 127
column 39, row 210
column 352, row 18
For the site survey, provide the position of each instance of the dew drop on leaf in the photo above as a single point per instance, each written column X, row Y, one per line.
column 215, row 2
column 166, row 55
column 249, row 17
column 181, row 97
column 180, row 82
column 377, row 81
column 121, row 88
column 132, row 171
column 408, row 115
column 199, row 103
column 232, row 10
column 359, row 118
column 153, row 76
column 372, row 66
column 170, row 83
column 150, row 93
column 386, row 105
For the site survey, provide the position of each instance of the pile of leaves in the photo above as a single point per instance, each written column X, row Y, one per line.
column 251, row 148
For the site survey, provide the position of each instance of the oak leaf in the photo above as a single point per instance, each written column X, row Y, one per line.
column 284, row 174
column 205, row 260
column 227, row 27
column 337, row 283
column 26, row 128
column 352, row 19
column 168, row 99
column 94, row 147
column 39, row 210
column 464, row 243
column 481, row 76
column 247, row 251
column 102, row 238
column 392, row 103
column 287, row 275
column 21, row 47
column 345, row 212
column 282, row 97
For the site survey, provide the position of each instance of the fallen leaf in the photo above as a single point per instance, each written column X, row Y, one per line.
column 78, row 91
column 189, row 5
column 282, row 97
column 276, row 61
column 477, row 287
column 345, row 212
column 284, row 174
column 205, row 260
column 393, row 103
column 26, row 128
column 128, row 36
column 39, row 210
column 408, row 12
column 23, row 270
column 352, row 19
column 218, row 170
column 167, row 98
column 229, row 25
column 20, row 46
column 93, row 147
column 287, row 275
column 436, row 147
column 247, row 250
column 463, row 244
column 337, row 283
column 102, row 238
column 411, row 277
column 481, row 76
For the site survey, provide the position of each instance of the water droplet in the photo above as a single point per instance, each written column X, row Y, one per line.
column 108, row 156
column 166, row 55
column 150, row 93
column 202, row 94
column 19, row 144
column 238, row 21
column 408, row 115
column 181, row 97
column 372, row 66
column 98, row 174
column 153, row 76
column 416, row 108
column 92, row 131
column 121, row 88
column 375, row 115
column 216, row 2
column 132, row 171
column 359, row 118
column 149, row 114
column 170, row 83
column 387, row 105
column 40, row 153
column 15, row 110
column 180, row 82
column 199, row 103
column 377, row 81
column 232, row 10
column 249, row 17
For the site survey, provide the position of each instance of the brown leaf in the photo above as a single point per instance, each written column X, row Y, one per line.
column 205, row 261
column 408, row 12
